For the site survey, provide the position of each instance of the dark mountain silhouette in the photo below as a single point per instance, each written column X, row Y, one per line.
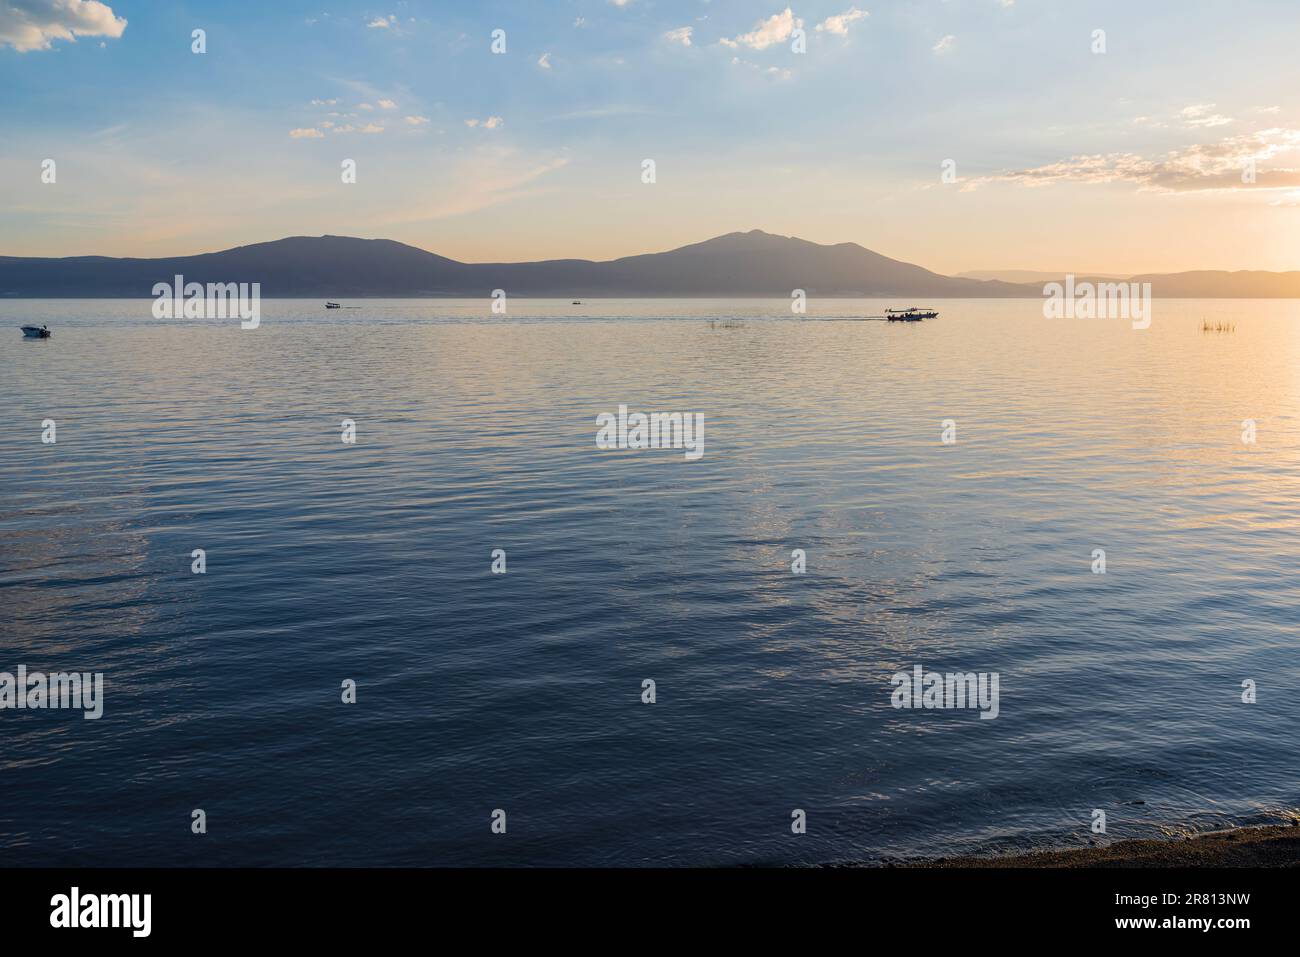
column 737, row 264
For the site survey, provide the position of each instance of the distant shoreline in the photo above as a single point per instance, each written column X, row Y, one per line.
column 1275, row 845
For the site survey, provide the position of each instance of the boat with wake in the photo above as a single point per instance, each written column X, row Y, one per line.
column 911, row 314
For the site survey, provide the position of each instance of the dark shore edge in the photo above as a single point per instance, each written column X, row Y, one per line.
column 1275, row 845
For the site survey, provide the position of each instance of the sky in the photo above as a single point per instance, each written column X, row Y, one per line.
column 959, row 135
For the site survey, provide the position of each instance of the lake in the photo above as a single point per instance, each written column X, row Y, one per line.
column 372, row 562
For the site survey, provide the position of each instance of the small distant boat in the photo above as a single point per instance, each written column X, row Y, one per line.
column 332, row 305
column 36, row 332
column 911, row 314
column 577, row 302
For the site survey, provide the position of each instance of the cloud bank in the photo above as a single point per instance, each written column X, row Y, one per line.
column 28, row 25
column 1200, row 167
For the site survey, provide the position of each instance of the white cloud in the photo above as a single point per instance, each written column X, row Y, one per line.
column 35, row 24
column 620, row 3
column 1200, row 115
column 382, row 23
column 324, row 102
column 1196, row 168
column 779, row 73
column 680, row 35
column 839, row 24
column 364, row 106
column 602, row 112
column 387, row 105
column 944, row 44
column 306, row 133
column 416, row 120
column 544, row 61
column 491, row 123
column 773, row 30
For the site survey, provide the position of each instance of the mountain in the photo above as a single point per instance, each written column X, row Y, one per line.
column 1038, row 276
column 1219, row 284
column 298, row 266
column 1197, row 284
column 737, row 264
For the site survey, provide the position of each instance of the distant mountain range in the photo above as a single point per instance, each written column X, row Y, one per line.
column 737, row 264
column 1037, row 275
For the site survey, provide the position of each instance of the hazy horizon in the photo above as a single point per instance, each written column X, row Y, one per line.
column 1061, row 156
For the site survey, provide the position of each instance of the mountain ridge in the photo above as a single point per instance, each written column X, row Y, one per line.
column 738, row 264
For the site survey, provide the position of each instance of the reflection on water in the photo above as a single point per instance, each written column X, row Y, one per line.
column 522, row 691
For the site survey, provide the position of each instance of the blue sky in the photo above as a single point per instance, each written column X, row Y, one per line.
column 1127, row 160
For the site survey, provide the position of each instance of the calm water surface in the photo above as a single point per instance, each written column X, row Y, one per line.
column 522, row 691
